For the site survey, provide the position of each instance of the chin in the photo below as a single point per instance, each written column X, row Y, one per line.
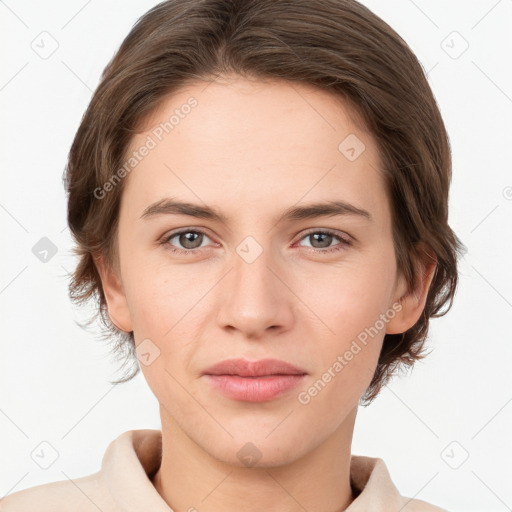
column 252, row 447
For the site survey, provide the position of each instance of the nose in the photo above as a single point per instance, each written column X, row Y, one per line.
column 255, row 298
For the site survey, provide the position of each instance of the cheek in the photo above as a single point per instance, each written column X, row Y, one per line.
column 351, row 296
column 159, row 294
column 166, row 308
column 351, row 302
column 348, row 354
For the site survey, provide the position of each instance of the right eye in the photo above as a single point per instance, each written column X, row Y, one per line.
column 189, row 239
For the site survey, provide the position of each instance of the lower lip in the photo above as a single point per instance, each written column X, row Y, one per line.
column 255, row 389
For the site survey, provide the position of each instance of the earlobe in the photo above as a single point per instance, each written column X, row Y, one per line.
column 412, row 303
column 117, row 305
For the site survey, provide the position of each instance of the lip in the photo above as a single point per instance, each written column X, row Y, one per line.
column 254, row 381
column 260, row 368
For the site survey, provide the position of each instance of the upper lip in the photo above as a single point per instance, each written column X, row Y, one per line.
column 245, row 368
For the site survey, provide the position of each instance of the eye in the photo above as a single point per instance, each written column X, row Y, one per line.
column 321, row 240
column 189, row 239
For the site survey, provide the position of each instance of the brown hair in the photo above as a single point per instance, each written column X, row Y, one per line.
column 336, row 45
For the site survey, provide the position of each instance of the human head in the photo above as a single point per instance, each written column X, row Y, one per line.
column 337, row 46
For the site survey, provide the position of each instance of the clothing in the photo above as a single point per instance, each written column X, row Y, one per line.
column 123, row 484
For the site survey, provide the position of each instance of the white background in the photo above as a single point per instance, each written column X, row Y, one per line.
column 54, row 376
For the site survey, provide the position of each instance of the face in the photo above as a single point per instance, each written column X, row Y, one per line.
column 264, row 275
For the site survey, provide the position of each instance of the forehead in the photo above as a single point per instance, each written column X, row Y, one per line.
column 251, row 143
column 231, row 107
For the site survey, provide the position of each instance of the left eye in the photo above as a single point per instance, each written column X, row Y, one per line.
column 193, row 239
column 324, row 239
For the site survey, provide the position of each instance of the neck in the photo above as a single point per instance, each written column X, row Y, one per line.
column 190, row 479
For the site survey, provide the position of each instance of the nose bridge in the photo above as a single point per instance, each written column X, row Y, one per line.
column 256, row 299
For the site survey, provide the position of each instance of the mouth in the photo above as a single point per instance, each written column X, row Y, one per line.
column 258, row 381
column 260, row 368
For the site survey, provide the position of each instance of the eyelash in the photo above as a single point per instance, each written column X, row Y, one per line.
column 344, row 243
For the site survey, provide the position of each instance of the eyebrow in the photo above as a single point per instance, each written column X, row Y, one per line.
column 171, row 206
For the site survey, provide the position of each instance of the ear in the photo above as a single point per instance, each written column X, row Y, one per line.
column 413, row 302
column 117, row 305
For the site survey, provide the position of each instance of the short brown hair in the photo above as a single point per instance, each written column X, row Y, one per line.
column 338, row 46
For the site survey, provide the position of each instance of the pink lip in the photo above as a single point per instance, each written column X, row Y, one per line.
column 257, row 381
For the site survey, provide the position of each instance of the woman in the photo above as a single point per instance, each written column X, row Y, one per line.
column 259, row 196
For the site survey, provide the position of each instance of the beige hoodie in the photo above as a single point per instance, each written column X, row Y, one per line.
column 123, row 484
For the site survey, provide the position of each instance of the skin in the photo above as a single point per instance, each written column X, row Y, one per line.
column 251, row 149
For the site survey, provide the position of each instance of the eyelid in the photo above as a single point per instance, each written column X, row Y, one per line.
column 345, row 237
column 345, row 240
column 172, row 234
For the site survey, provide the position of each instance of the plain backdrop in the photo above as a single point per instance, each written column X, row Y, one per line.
column 444, row 430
